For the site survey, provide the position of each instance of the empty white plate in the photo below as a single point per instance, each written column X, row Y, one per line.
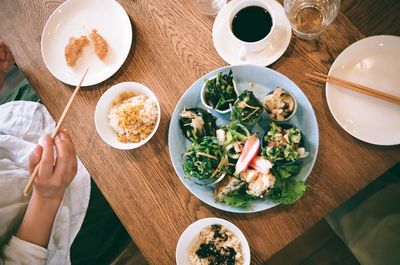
column 375, row 63
column 78, row 17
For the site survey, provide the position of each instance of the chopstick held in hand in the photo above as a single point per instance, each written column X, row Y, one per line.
column 60, row 121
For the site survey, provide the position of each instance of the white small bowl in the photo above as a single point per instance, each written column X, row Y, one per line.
column 103, row 107
column 288, row 117
column 203, row 100
column 192, row 232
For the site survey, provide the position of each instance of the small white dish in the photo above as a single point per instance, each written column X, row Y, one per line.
column 288, row 117
column 203, row 99
column 192, row 232
column 74, row 18
column 373, row 62
column 103, row 107
column 230, row 51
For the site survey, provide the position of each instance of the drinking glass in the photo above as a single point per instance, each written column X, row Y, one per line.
column 310, row 17
column 209, row 7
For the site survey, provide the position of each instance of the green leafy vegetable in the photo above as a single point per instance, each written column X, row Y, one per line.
column 282, row 144
column 205, row 160
column 247, row 109
column 219, row 92
column 287, row 171
column 287, row 189
column 235, row 135
column 238, row 199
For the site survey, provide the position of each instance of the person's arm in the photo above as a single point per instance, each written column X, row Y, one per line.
column 49, row 186
column 6, row 61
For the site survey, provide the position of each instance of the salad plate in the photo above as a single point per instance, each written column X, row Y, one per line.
column 373, row 62
column 261, row 81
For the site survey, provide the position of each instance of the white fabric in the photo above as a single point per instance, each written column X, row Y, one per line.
column 22, row 123
column 18, row 252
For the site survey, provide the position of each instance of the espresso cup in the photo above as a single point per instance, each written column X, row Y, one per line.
column 252, row 9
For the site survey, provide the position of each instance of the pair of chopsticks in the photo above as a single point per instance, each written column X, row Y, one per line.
column 35, row 171
column 354, row 87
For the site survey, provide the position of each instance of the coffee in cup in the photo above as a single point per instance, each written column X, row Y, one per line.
column 250, row 24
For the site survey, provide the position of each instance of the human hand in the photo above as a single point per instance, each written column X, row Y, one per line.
column 6, row 57
column 53, row 177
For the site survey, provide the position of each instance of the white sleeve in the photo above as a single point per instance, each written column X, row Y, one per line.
column 20, row 252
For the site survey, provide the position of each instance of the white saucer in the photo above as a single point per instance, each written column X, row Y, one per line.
column 373, row 62
column 229, row 51
column 74, row 18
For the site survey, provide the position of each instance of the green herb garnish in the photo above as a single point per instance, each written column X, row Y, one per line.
column 219, row 92
column 205, row 160
column 247, row 109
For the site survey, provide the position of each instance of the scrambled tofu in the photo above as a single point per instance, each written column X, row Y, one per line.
column 257, row 182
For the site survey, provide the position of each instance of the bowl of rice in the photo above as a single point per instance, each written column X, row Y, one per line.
column 212, row 241
column 127, row 115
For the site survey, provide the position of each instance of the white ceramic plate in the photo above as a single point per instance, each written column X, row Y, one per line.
column 191, row 234
column 103, row 107
column 264, row 81
column 229, row 52
column 373, row 62
column 78, row 17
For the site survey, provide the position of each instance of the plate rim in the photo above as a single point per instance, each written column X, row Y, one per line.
column 85, row 83
column 234, row 209
column 328, row 87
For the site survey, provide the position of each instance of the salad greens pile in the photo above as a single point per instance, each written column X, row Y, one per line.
column 282, row 144
column 205, row 159
column 247, row 109
column 232, row 138
column 219, row 92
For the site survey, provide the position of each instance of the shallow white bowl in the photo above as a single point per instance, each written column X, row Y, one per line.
column 103, row 107
column 288, row 117
column 192, row 232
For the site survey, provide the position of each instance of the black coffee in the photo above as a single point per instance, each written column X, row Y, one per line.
column 252, row 24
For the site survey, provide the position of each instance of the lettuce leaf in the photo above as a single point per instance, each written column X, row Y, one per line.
column 238, row 199
column 287, row 189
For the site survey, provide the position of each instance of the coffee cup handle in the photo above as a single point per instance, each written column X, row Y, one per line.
column 243, row 53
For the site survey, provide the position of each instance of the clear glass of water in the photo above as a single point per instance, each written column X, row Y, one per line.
column 309, row 18
column 209, row 7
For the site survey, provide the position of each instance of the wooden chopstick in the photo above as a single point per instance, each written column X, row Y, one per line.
column 354, row 86
column 60, row 121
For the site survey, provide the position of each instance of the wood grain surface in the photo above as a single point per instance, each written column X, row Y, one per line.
column 172, row 47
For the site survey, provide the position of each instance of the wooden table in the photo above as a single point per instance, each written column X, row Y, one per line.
column 172, row 47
